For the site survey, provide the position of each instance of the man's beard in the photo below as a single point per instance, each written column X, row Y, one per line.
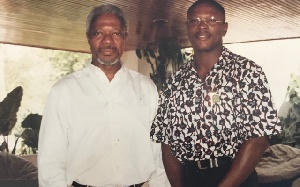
column 108, row 62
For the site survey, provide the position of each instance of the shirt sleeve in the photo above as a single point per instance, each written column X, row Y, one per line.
column 160, row 126
column 53, row 142
column 159, row 180
column 159, row 177
column 257, row 113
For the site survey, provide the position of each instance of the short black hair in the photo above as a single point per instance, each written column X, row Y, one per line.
column 212, row 3
column 105, row 9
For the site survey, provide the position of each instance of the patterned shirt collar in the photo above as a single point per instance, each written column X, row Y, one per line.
column 223, row 60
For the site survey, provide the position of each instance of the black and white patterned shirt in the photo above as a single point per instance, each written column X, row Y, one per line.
column 212, row 118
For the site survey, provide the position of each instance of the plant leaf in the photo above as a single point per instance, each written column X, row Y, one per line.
column 30, row 138
column 8, row 110
column 3, row 146
column 138, row 53
column 151, row 53
column 32, row 121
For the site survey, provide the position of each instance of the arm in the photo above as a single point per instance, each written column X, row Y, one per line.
column 245, row 161
column 52, row 145
column 158, row 178
column 267, row 123
column 173, row 166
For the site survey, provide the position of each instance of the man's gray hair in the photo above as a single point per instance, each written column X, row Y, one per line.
column 104, row 9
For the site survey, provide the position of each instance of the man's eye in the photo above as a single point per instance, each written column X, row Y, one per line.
column 194, row 21
column 212, row 20
column 98, row 34
column 117, row 34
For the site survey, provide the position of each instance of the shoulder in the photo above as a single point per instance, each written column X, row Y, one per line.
column 183, row 74
column 140, row 79
column 71, row 80
column 241, row 63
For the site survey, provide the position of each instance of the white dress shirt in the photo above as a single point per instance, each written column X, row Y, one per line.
column 96, row 132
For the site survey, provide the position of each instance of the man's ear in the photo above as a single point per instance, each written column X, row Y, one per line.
column 225, row 27
column 125, row 35
column 89, row 38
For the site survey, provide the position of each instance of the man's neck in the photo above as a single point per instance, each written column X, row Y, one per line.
column 205, row 60
column 109, row 70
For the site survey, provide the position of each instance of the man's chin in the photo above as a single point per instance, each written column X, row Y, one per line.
column 204, row 48
column 108, row 62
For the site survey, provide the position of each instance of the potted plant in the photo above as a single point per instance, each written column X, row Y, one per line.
column 291, row 122
column 160, row 55
column 30, row 135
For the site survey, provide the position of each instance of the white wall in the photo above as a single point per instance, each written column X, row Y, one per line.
column 130, row 60
column 144, row 67
column 2, row 85
column 278, row 58
column 31, row 68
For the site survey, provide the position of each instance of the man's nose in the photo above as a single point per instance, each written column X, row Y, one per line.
column 107, row 38
column 202, row 24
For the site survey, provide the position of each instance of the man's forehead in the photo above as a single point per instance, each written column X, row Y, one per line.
column 107, row 28
column 206, row 10
column 204, row 7
column 108, row 20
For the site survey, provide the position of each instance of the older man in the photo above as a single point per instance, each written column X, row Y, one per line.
column 96, row 122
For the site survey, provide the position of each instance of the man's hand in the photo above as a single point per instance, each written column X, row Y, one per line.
column 173, row 166
column 245, row 161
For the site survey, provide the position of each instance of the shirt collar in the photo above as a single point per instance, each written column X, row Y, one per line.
column 223, row 60
column 101, row 74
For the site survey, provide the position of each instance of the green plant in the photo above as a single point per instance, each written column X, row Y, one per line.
column 165, row 52
column 30, row 135
column 8, row 116
column 67, row 62
column 291, row 123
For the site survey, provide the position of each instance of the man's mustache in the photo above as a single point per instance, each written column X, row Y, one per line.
column 107, row 47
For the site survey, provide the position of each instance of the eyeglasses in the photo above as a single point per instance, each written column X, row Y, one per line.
column 114, row 34
column 197, row 21
column 117, row 34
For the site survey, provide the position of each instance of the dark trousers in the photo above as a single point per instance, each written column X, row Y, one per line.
column 75, row 184
column 194, row 177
